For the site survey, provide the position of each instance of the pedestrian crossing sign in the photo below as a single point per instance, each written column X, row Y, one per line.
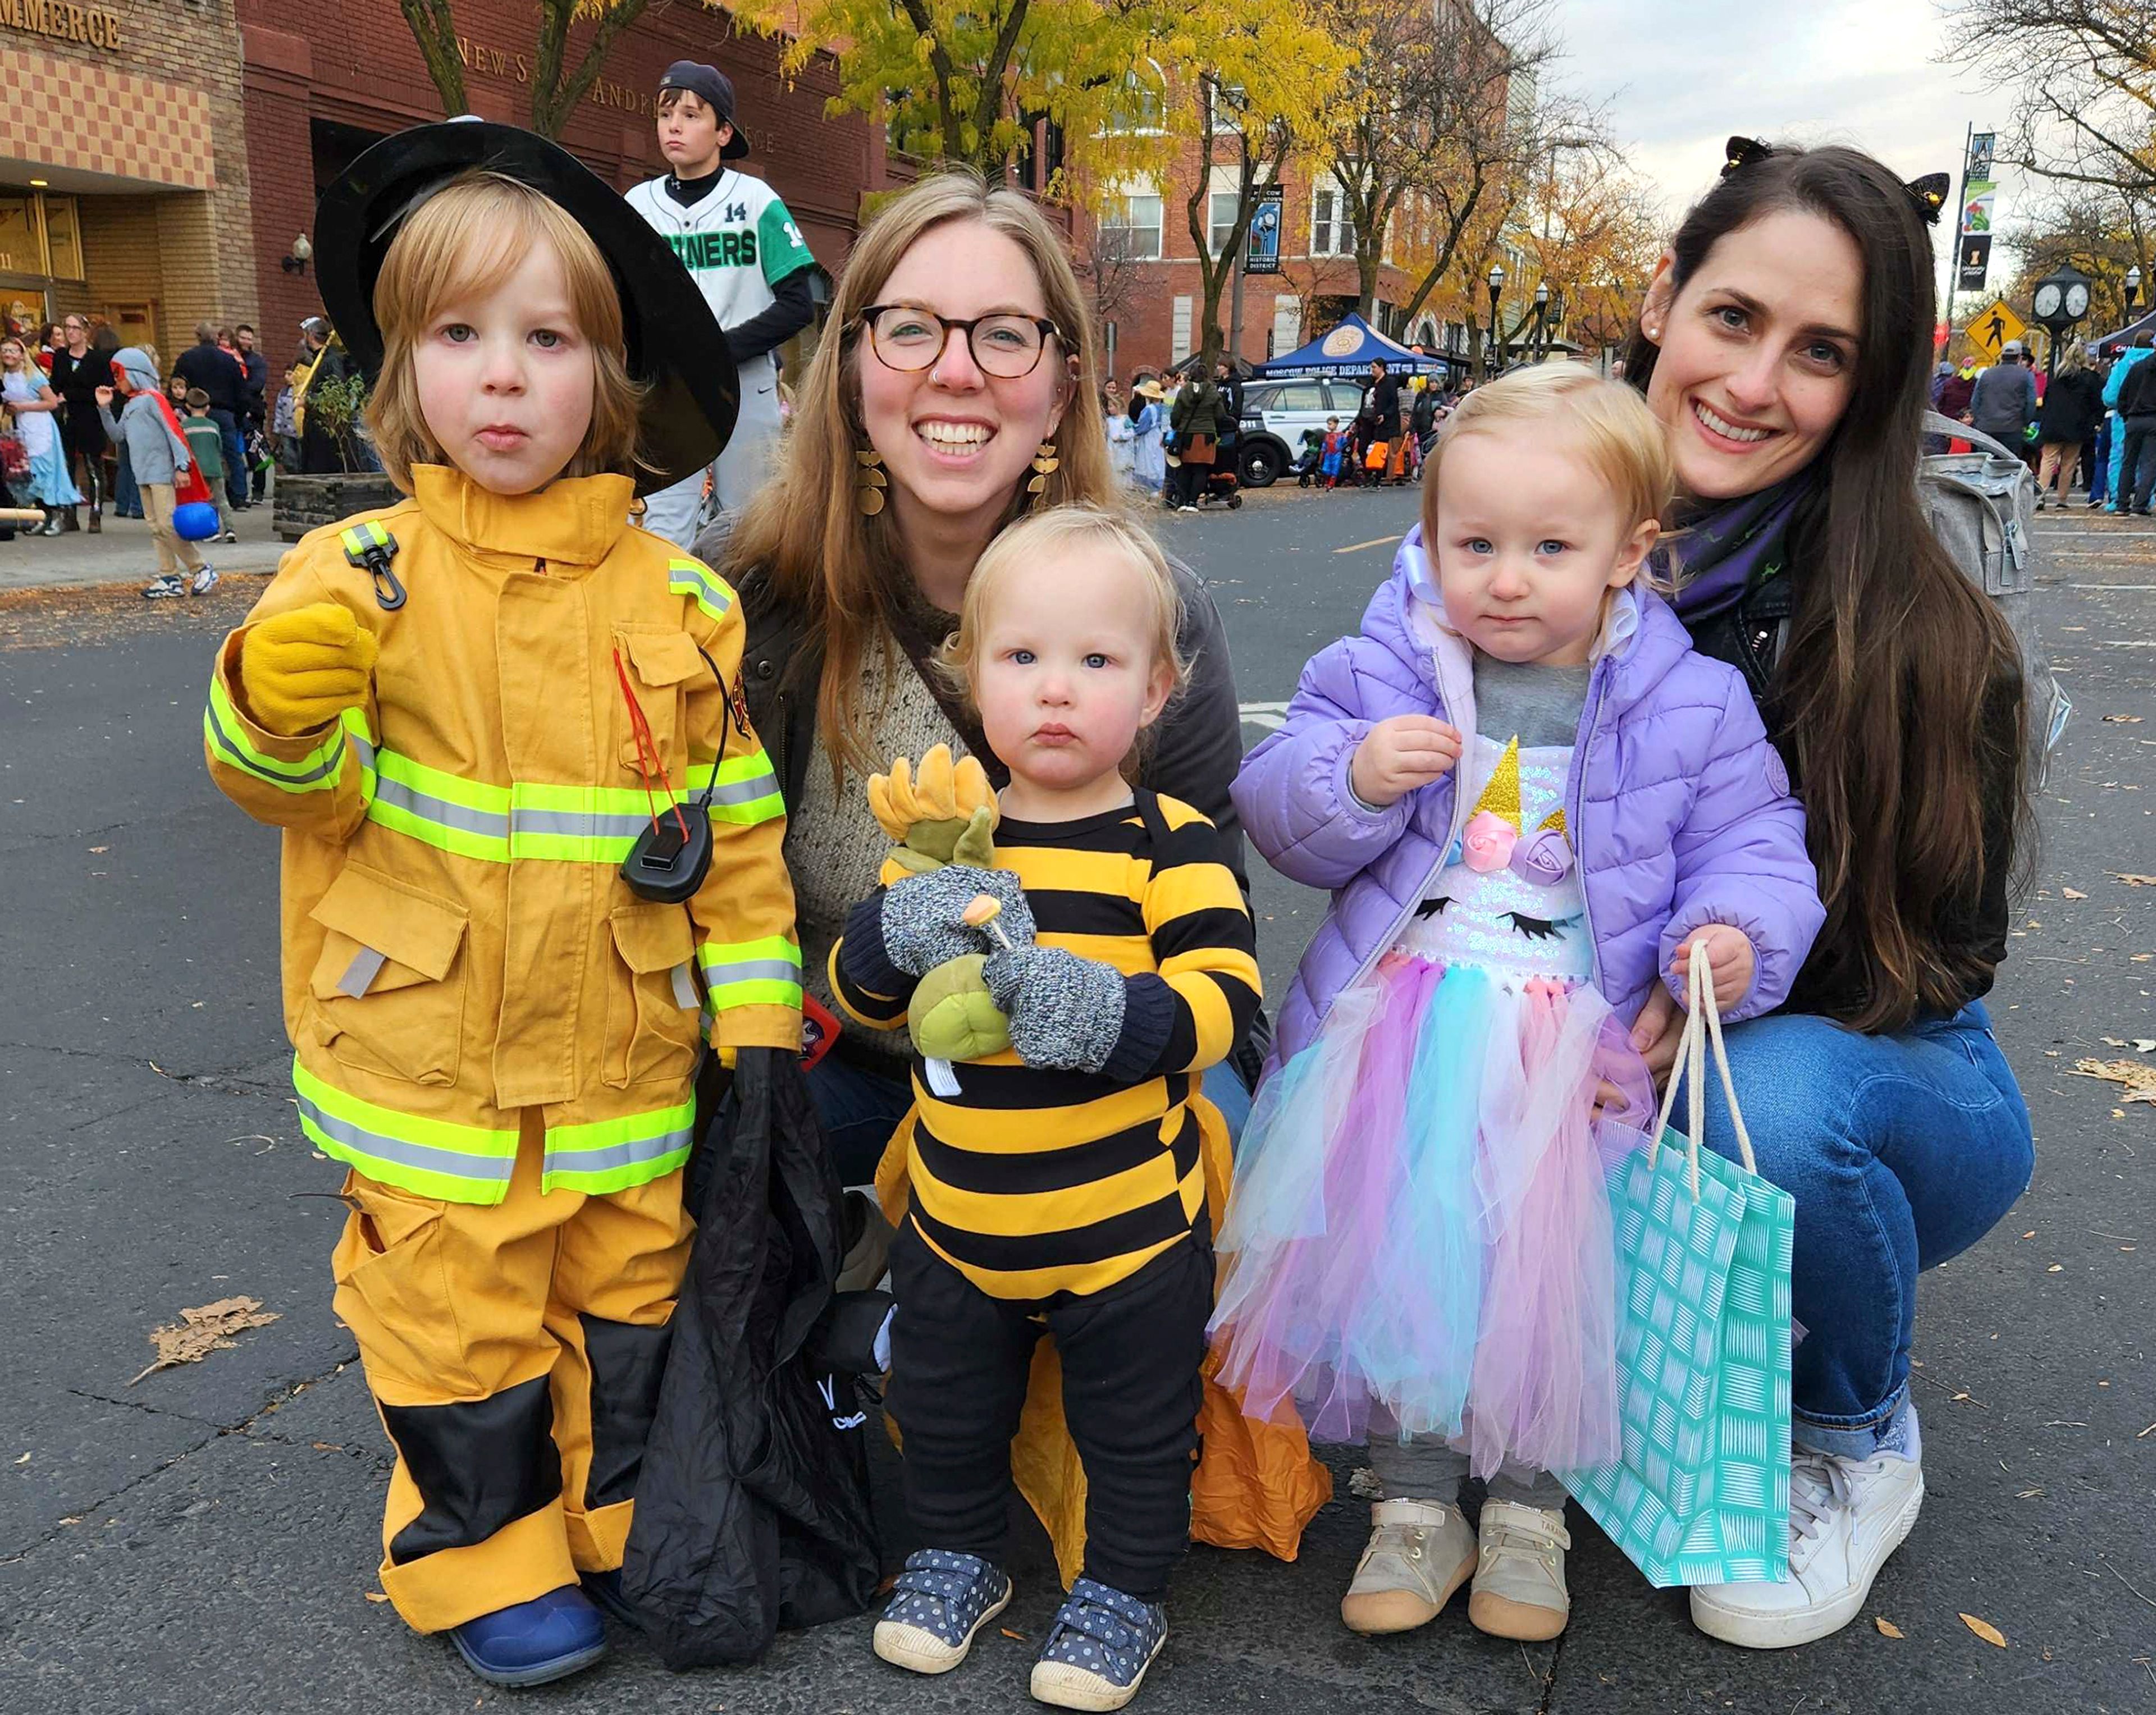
column 1990, row 331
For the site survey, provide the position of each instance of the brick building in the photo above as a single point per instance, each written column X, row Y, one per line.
column 324, row 80
column 1142, row 264
column 124, row 166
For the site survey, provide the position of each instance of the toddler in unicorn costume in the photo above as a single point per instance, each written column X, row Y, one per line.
column 1531, row 801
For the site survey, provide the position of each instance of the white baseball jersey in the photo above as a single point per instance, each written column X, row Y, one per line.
column 738, row 242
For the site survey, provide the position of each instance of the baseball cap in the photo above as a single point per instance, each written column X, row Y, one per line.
column 715, row 89
column 2012, row 348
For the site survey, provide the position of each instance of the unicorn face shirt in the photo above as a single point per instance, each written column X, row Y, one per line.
column 1508, row 898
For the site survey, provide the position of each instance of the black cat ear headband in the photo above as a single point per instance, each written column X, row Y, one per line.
column 1928, row 193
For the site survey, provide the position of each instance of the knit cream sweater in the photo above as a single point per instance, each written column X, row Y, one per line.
column 833, row 848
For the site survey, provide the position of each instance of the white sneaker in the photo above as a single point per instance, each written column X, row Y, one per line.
column 203, row 582
column 1519, row 1578
column 1846, row 1516
column 1418, row 1553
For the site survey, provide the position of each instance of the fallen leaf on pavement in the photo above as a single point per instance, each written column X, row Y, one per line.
column 204, row 1330
column 2134, row 880
column 1985, row 1629
column 2073, row 893
column 24, row 1459
column 1017, row 1636
column 2140, row 1080
column 100, row 847
column 2123, row 720
column 376, row 1596
column 1887, row 1629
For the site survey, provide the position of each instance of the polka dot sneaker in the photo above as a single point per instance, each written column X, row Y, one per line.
column 1099, row 1647
column 937, row 1605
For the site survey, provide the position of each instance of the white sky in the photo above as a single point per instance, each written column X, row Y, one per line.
column 1682, row 76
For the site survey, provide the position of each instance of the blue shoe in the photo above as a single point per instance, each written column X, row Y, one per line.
column 938, row 1603
column 1099, row 1647
column 548, row 1638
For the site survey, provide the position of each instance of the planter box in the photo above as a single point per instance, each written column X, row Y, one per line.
column 305, row 503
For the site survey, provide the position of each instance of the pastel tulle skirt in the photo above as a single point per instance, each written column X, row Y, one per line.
column 1419, row 1239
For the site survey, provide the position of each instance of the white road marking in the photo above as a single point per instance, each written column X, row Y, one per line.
column 1375, row 542
column 1268, row 717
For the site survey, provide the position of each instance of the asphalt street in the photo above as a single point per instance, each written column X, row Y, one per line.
column 203, row 1539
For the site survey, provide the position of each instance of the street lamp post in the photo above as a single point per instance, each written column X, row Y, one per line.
column 1497, row 283
column 2132, row 288
column 1542, row 320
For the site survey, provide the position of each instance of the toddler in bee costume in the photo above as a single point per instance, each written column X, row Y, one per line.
column 466, row 712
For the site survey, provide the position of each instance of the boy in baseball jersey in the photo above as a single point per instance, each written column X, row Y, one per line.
column 743, row 250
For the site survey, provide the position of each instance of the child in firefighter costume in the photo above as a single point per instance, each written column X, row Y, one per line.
column 495, row 722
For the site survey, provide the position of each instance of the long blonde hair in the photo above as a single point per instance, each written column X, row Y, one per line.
column 804, row 529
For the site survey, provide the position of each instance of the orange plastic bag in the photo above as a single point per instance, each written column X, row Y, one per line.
column 1256, row 1485
column 1374, row 458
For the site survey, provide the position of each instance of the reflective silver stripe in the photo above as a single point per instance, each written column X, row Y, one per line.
column 747, row 791
column 271, row 771
column 439, row 810
column 685, row 987
column 751, row 970
column 454, row 1164
column 579, row 825
column 611, row 1156
column 360, row 974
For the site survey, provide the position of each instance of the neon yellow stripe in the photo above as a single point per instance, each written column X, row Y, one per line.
column 636, row 1149
column 570, row 848
column 226, row 732
column 759, row 993
column 767, row 809
column 734, row 769
column 711, row 592
column 725, row 953
column 462, row 842
column 471, row 793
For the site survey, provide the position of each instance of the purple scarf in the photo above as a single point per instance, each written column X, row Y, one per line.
column 1718, row 554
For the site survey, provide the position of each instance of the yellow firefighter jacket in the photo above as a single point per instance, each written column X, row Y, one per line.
column 458, row 944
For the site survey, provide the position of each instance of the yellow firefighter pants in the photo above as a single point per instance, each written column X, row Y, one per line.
column 514, row 1351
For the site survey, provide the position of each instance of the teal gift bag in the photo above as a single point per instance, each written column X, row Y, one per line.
column 1701, row 1490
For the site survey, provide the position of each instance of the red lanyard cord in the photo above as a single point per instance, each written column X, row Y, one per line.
column 649, row 763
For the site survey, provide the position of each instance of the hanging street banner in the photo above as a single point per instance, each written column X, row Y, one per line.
column 1980, row 155
column 1262, row 254
column 1975, row 258
column 1976, row 206
column 1991, row 330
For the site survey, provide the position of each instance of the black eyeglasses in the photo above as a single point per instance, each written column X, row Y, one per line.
column 909, row 339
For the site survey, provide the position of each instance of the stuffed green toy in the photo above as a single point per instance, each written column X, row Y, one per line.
column 942, row 820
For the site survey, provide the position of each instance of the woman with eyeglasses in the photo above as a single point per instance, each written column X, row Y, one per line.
column 79, row 370
column 956, row 388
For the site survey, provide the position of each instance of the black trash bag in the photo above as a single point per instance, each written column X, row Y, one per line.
column 752, row 1507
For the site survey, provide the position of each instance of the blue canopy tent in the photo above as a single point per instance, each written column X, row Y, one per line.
column 1347, row 350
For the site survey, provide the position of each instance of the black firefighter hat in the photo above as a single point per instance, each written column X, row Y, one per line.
column 675, row 349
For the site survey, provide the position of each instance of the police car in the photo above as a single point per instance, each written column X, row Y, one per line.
column 1276, row 413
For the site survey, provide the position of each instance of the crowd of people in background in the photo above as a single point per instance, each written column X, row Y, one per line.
column 1177, row 437
column 237, row 426
column 2083, row 418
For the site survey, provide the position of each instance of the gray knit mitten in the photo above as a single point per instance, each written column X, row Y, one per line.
column 1066, row 1012
column 923, row 916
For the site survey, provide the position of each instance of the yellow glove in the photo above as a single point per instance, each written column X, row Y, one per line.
column 299, row 671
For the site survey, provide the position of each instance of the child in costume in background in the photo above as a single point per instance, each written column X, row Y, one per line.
column 156, row 451
column 1058, row 1184
column 206, row 442
column 495, row 1032
column 1335, row 446
column 1531, row 801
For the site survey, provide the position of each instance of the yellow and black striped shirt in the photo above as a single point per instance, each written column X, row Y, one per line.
column 1031, row 1181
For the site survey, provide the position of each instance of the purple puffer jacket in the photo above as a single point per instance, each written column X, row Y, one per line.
column 1678, row 806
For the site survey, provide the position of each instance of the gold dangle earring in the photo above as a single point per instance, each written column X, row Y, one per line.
column 1043, row 462
column 869, row 482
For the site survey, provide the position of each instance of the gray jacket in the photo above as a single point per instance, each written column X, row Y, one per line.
column 2004, row 403
column 154, row 453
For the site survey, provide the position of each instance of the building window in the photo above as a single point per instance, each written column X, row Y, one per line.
column 1178, row 338
column 1222, row 206
column 1287, row 323
column 1332, row 233
column 1130, row 226
column 1136, row 110
column 1228, row 101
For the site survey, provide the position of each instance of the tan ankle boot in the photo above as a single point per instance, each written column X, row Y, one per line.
column 1418, row 1553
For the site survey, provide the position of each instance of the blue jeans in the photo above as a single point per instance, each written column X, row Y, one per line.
column 2099, row 470
column 235, row 456
column 859, row 1110
column 1901, row 1152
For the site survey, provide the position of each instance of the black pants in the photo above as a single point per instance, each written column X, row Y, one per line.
column 1131, row 1393
column 2137, row 465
